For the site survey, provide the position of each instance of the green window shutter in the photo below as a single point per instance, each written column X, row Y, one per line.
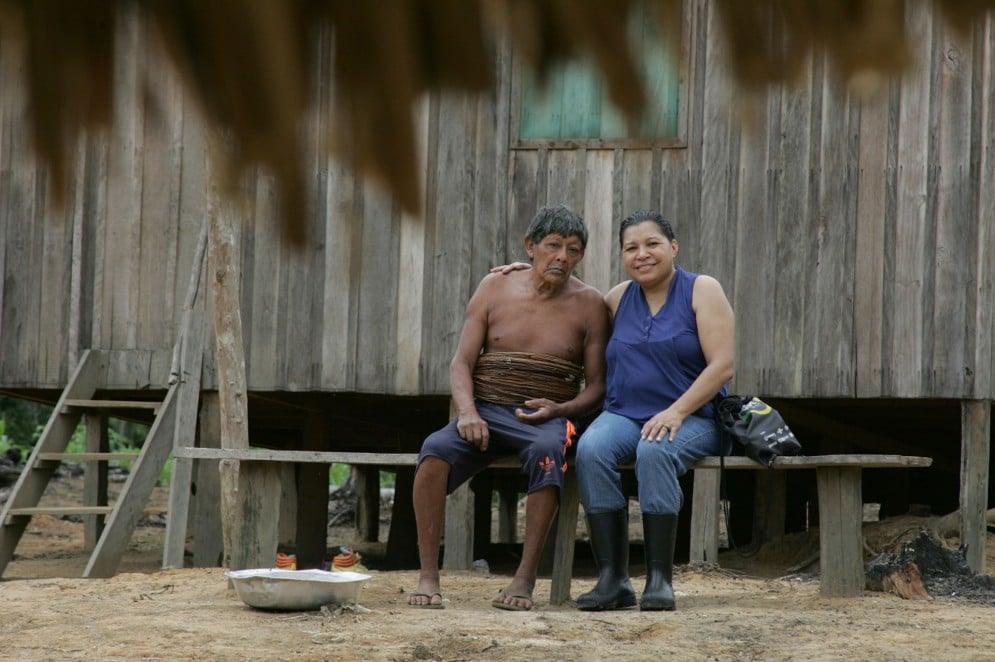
column 573, row 102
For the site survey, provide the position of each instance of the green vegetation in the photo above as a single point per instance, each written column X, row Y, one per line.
column 22, row 422
column 339, row 474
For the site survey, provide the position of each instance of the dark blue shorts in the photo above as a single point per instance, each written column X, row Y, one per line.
column 541, row 447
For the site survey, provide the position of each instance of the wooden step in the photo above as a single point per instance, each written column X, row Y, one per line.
column 71, row 404
column 87, row 457
column 62, row 510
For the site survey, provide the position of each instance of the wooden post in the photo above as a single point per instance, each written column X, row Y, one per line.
column 367, row 486
column 769, row 508
column 482, row 487
column 705, row 516
column 458, row 537
column 77, row 261
column 254, row 539
column 288, row 505
column 188, row 359
column 975, row 423
column 458, row 544
column 208, row 548
column 402, row 552
column 508, row 513
column 841, row 541
column 94, row 477
column 312, row 498
column 223, row 264
column 566, row 541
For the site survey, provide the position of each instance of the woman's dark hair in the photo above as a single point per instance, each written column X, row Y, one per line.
column 643, row 215
column 558, row 219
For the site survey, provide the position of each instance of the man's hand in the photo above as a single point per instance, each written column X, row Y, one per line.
column 474, row 429
column 508, row 268
column 544, row 410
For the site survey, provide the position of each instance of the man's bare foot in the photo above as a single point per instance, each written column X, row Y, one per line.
column 517, row 597
column 426, row 596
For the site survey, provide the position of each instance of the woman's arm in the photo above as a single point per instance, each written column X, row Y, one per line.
column 717, row 335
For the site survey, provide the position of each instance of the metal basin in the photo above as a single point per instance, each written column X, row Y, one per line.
column 296, row 590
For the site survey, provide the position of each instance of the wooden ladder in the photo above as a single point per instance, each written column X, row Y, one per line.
column 109, row 538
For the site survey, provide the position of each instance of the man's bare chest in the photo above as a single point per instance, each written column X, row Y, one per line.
column 547, row 328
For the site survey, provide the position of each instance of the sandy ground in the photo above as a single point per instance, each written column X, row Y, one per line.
column 749, row 613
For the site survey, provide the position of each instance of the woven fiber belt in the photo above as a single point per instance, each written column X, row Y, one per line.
column 511, row 378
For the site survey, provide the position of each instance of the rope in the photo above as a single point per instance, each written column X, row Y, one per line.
column 511, row 378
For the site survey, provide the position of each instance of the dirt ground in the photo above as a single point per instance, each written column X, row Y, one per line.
column 743, row 610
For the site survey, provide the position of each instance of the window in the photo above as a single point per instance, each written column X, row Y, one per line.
column 572, row 108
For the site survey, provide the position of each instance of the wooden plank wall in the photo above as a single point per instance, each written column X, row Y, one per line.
column 372, row 303
column 854, row 236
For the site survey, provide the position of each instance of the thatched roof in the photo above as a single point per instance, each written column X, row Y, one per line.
column 249, row 63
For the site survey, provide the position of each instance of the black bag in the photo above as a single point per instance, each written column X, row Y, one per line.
column 757, row 427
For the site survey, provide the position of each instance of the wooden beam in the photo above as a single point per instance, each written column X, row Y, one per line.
column 841, row 542
column 507, row 513
column 62, row 510
column 324, row 457
column 872, row 461
column 458, row 543
column 135, row 494
column 401, row 550
column 367, row 487
column 223, row 267
column 855, row 435
column 186, row 373
column 255, row 536
column 458, row 526
column 312, row 500
column 288, row 506
column 769, row 504
column 976, row 419
column 88, row 376
column 565, row 542
column 89, row 456
column 70, row 404
column 94, row 476
column 705, row 515
column 208, row 548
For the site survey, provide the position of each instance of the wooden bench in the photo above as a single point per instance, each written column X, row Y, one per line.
column 459, row 530
column 838, row 480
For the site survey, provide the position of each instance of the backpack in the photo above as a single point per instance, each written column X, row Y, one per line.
column 757, row 427
column 763, row 436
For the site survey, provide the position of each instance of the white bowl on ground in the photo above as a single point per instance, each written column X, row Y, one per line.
column 298, row 590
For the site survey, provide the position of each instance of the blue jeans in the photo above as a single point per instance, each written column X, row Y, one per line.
column 613, row 440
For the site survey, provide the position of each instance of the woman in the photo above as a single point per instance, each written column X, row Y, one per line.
column 671, row 351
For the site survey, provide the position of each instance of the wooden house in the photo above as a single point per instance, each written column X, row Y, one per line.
column 854, row 236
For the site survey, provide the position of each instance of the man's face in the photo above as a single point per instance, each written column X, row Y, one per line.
column 555, row 256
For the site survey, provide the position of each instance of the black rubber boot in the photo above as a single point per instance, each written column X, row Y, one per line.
column 659, row 536
column 610, row 542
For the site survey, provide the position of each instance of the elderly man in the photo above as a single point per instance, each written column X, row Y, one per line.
column 530, row 361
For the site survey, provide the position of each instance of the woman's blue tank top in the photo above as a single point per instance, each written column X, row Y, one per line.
column 653, row 359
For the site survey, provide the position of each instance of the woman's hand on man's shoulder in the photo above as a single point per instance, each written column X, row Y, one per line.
column 508, row 268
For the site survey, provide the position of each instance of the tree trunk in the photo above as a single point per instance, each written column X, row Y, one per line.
column 905, row 583
column 230, row 356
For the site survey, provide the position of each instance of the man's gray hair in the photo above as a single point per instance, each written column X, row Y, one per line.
column 557, row 219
